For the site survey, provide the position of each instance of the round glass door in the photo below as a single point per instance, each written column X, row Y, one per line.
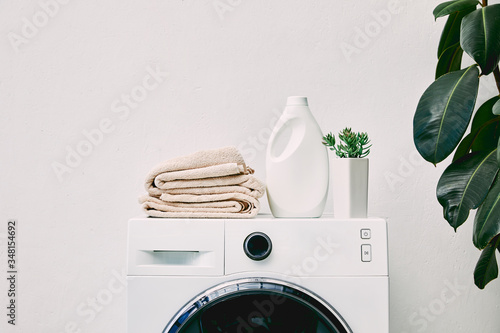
column 256, row 305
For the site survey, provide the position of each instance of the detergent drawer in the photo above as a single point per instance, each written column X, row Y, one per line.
column 159, row 246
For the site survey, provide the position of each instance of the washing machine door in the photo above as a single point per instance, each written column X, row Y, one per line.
column 255, row 305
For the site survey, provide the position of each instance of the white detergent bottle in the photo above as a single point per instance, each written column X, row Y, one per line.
column 297, row 163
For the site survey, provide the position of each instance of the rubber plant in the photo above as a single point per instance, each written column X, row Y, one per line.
column 443, row 115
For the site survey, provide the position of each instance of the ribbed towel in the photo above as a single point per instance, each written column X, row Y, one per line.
column 200, row 165
column 210, row 183
column 227, row 205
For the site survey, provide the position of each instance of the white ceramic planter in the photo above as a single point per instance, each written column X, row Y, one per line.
column 349, row 180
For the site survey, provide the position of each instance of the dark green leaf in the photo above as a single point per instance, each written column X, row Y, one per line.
column 485, row 125
column 464, row 185
column 496, row 108
column 449, row 7
column 451, row 31
column 484, row 131
column 464, row 147
column 450, row 60
column 479, row 37
column 443, row 113
column 487, row 221
column 484, row 114
column 487, row 136
column 486, row 267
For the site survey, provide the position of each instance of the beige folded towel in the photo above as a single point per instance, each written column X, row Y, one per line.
column 252, row 187
column 200, row 165
column 211, row 183
column 248, row 184
column 229, row 205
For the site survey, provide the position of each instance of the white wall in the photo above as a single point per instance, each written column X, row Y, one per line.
column 229, row 74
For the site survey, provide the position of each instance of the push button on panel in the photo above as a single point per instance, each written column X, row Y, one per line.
column 366, row 234
column 366, row 253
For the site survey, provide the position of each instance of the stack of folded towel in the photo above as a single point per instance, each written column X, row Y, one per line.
column 212, row 184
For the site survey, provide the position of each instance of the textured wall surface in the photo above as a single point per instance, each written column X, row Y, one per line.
column 94, row 93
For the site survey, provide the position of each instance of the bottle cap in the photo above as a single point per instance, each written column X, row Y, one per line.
column 297, row 100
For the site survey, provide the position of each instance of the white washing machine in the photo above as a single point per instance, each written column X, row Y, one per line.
column 257, row 275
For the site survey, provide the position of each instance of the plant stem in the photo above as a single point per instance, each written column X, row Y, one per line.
column 496, row 72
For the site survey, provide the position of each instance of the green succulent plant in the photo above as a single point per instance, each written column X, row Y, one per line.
column 353, row 145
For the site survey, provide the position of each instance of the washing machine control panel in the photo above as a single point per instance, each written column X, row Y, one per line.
column 301, row 247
